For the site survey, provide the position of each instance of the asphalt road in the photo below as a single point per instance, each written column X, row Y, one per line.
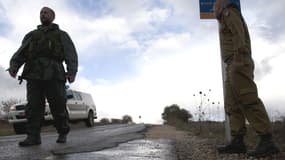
column 81, row 141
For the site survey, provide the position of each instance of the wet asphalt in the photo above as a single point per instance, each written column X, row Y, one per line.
column 142, row 149
column 118, row 142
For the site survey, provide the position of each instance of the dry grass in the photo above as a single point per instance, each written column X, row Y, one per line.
column 279, row 134
column 6, row 128
column 216, row 132
column 165, row 132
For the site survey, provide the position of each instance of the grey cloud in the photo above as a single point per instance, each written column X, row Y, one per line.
column 275, row 108
column 265, row 19
column 4, row 23
column 264, row 68
column 9, row 87
column 269, row 19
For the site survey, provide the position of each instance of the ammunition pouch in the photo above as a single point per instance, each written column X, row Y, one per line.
column 45, row 44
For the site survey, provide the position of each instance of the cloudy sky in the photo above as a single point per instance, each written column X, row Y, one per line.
column 138, row 56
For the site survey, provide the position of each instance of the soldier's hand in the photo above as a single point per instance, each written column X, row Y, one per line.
column 13, row 73
column 70, row 78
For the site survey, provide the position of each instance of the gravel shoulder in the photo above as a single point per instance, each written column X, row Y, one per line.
column 190, row 147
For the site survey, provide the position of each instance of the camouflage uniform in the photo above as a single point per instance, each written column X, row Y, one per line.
column 43, row 52
column 241, row 97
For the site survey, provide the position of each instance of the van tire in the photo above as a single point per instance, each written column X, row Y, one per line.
column 20, row 128
column 90, row 120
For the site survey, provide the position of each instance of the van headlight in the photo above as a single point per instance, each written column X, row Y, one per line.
column 13, row 108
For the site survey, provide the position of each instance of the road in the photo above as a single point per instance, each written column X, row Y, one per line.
column 91, row 143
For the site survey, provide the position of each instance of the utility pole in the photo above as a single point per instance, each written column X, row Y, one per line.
column 206, row 12
column 227, row 119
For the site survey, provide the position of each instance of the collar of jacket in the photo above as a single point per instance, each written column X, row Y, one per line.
column 52, row 26
column 230, row 5
column 233, row 5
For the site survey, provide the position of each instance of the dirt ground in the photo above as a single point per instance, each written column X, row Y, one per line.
column 194, row 148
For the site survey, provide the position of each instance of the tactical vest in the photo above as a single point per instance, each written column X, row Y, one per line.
column 45, row 44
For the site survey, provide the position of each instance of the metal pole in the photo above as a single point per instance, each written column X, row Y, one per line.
column 227, row 120
column 206, row 12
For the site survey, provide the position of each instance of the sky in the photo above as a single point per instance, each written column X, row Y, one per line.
column 138, row 56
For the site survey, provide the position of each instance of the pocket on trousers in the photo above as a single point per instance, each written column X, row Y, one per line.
column 248, row 96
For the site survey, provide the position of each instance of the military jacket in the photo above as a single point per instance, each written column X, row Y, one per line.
column 43, row 52
column 234, row 36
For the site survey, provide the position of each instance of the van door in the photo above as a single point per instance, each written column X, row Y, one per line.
column 76, row 106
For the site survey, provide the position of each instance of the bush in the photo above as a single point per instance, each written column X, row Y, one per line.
column 173, row 113
column 127, row 119
column 105, row 121
column 116, row 121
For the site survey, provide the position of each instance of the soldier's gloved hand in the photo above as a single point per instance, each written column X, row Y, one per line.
column 13, row 73
column 70, row 78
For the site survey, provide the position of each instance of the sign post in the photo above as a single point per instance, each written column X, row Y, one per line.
column 207, row 12
column 207, row 8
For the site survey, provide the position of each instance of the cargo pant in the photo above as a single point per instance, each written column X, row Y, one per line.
column 37, row 92
column 241, row 98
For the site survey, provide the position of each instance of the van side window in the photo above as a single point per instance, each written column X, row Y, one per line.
column 77, row 96
column 69, row 94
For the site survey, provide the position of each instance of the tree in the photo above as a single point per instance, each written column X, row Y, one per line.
column 127, row 119
column 116, row 121
column 8, row 103
column 105, row 121
column 185, row 115
column 173, row 113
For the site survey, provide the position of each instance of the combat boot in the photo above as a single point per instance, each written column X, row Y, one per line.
column 235, row 146
column 61, row 138
column 265, row 147
column 31, row 140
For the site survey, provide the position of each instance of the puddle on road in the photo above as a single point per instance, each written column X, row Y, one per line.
column 144, row 149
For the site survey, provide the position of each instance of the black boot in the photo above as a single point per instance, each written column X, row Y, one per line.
column 61, row 138
column 265, row 147
column 31, row 140
column 236, row 146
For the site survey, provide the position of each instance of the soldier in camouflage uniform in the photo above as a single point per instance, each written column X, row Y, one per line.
column 43, row 51
column 241, row 97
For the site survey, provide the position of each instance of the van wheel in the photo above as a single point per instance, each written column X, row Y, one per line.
column 90, row 120
column 20, row 128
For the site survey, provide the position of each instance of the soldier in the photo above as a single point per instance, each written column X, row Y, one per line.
column 43, row 51
column 241, row 97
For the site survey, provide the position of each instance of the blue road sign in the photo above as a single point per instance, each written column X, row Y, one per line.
column 206, row 8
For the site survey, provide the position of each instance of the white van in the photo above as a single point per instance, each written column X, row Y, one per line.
column 80, row 106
